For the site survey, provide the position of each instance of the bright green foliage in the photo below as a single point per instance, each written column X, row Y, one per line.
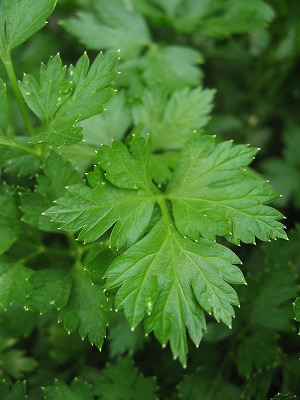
column 213, row 193
column 76, row 391
column 171, row 272
column 138, row 209
column 62, row 98
column 20, row 19
column 214, row 19
column 257, row 352
column 283, row 397
column 123, row 379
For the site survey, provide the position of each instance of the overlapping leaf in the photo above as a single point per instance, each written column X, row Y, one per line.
column 20, row 19
column 50, row 186
column 112, row 25
column 170, row 281
column 174, row 121
column 9, row 219
column 60, row 100
column 213, row 193
column 82, row 306
column 76, row 391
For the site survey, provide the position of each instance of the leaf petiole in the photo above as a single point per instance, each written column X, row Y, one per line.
column 8, row 64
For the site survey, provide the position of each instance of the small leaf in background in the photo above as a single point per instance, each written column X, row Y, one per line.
column 178, row 116
column 3, row 108
column 111, row 124
column 257, row 351
column 173, row 67
column 61, row 391
column 112, row 25
column 86, row 310
column 197, row 386
column 123, row 380
column 14, row 284
column 213, row 193
column 16, row 392
column 9, row 220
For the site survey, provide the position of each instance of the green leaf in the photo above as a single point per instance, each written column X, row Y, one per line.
column 17, row 158
column 173, row 67
column 296, row 306
column 165, row 278
column 125, row 170
column 50, row 288
column 95, row 210
column 16, row 392
column 174, row 121
column 49, row 187
column 86, row 309
column 9, row 219
column 60, row 100
column 197, row 386
column 111, row 124
column 213, row 194
column 121, row 338
column 16, row 364
column 14, row 284
column 175, row 279
column 111, row 25
column 20, row 19
column 257, row 351
column 123, row 380
column 3, row 108
column 76, row 391
column 280, row 396
column 271, row 294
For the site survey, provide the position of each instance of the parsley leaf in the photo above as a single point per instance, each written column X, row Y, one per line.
column 178, row 116
column 20, row 19
column 163, row 277
column 123, row 379
column 49, row 187
column 62, row 98
column 76, row 391
column 112, row 25
column 13, row 281
column 213, row 193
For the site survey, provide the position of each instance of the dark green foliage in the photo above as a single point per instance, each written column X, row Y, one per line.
column 128, row 179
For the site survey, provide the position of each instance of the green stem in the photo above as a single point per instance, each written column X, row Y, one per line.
column 8, row 64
